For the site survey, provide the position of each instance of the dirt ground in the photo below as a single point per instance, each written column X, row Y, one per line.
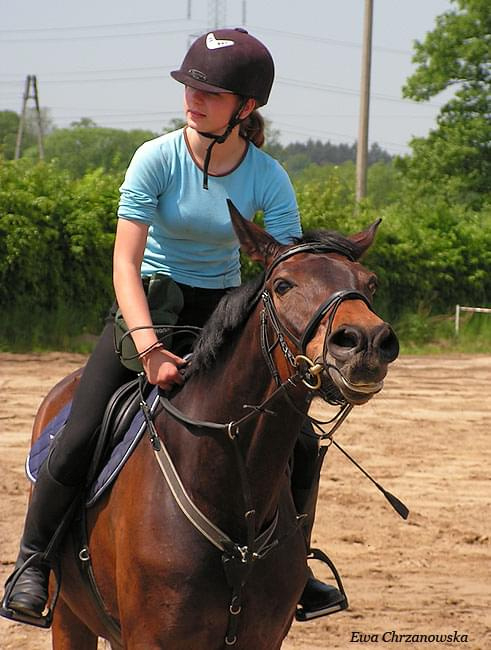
column 425, row 438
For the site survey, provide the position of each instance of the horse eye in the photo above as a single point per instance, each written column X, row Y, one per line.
column 282, row 286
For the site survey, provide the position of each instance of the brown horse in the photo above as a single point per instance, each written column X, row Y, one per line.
column 306, row 329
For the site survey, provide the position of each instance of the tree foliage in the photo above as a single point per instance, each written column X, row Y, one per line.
column 9, row 125
column 56, row 236
column 298, row 156
column 57, row 233
column 455, row 55
column 85, row 147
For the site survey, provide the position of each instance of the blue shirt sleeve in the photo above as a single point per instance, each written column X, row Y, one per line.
column 281, row 216
column 144, row 181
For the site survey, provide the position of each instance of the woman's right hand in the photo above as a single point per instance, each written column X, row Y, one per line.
column 162, row 368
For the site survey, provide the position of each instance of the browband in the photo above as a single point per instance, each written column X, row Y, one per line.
column 311, row 247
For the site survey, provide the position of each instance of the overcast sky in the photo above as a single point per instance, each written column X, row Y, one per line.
column 110, row 60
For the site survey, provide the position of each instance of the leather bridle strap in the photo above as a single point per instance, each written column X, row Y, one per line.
column 333, row 303
column 310, row 247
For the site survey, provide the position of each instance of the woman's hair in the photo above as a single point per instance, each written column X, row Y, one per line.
column 252, row 128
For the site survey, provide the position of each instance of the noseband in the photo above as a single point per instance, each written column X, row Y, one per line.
column 312, row 370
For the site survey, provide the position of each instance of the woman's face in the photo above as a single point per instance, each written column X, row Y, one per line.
column 209, row 112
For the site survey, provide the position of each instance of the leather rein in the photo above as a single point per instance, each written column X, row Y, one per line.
column 237, row 559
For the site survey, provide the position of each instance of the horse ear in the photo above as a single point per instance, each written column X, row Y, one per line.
column 254, row 241
column 363, row 240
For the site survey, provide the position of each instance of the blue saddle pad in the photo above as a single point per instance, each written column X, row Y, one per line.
column 119, row 455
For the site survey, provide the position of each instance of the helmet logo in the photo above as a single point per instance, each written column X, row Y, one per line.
column 197, row 74
column 214, row 44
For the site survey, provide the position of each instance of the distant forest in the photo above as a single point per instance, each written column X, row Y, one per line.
column 298, row 155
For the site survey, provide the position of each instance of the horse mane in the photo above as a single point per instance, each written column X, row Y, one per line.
column 230, row 313
column 235, row 306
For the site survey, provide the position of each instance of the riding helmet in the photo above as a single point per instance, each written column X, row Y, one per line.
column 228, row 61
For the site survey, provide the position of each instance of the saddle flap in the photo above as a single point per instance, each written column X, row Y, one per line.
column 123, row 424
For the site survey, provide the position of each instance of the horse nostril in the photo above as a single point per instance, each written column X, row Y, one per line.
column 344, row 342
column 387, row 343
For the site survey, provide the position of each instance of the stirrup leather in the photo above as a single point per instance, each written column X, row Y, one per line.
column 45, row 619
column 303, row 615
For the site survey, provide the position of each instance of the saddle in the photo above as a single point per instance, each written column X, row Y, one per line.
column 121, row 429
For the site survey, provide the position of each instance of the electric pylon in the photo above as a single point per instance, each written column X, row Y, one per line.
column 30, row 92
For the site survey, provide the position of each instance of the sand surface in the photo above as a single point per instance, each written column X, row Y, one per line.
column 426, row 438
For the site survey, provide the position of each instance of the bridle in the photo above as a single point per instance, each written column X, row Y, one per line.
column 309, row 370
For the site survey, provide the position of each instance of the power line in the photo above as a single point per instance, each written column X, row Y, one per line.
column 328, row 41
column 349, row 91
column 281, row 80
column 145, row 77
column 46, row 77
column 78, row 37
column 136, row 23
column 307, row 37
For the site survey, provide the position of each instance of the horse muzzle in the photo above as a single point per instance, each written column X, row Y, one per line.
column 356, row 359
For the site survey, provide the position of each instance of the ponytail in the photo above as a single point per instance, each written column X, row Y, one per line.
column 252, row 128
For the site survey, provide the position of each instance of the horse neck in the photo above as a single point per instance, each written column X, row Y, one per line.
column 207, row 464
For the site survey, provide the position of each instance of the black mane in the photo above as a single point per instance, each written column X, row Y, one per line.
column 231, row 312
column 235, row 306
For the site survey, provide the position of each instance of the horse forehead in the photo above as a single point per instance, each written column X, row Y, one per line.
column 331, row 268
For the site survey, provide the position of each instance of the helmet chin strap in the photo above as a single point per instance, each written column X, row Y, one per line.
column 219, row 139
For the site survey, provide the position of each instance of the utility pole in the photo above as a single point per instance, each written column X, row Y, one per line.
column 362, row 148
column 31, row 86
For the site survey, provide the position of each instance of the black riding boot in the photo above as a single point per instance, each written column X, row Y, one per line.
column 318, row 598
column 28, row 596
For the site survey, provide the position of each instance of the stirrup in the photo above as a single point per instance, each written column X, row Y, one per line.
column 44, row 620
column 301, row 614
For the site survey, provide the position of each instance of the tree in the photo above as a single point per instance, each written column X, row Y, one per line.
column 456, row 54
column 85, row 147
column 9, row 125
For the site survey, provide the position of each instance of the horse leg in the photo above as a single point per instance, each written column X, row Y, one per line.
column 68, row 631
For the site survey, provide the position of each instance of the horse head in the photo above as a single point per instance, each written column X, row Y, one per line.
column 321, row 301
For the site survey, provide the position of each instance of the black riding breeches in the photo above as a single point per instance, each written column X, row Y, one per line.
column 102, row 376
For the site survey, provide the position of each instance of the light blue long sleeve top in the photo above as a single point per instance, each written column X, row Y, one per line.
column 191, row 237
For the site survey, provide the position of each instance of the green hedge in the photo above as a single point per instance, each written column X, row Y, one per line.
column 56, row 238
column 57, row 233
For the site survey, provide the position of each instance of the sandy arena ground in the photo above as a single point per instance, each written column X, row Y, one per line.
column 425, row 438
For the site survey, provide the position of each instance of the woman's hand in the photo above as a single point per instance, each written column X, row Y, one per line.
column 162, row 368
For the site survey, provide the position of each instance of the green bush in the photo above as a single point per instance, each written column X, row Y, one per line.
column 56, row 237
column 57, row 234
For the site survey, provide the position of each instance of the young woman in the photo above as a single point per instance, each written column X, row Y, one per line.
column 173, row 220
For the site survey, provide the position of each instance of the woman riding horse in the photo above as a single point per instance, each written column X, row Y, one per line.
column 173, row 220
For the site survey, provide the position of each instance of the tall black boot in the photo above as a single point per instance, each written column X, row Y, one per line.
column 318, row 598
column 27, row 589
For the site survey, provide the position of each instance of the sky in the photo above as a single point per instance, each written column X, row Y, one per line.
column 110, row 60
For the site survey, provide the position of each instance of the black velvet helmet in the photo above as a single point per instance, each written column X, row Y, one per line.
column 230, row 61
